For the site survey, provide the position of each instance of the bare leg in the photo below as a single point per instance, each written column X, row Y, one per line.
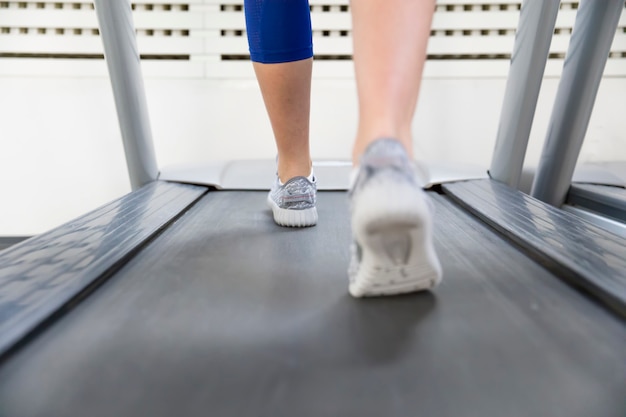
column 286, row 90
column 393, row 250
column 390, row 39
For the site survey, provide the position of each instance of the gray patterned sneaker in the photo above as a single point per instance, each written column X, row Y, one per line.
column 393, row 250
column 293, row 203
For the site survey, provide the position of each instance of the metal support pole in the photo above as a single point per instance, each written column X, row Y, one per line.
column 122, row 57
column 594, row 30
column 528, row 62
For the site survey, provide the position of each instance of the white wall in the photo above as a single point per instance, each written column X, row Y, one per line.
column 61, row 152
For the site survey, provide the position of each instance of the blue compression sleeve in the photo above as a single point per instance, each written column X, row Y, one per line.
column 278, row 30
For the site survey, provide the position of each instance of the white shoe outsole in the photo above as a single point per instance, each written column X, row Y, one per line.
column 392, row 224
column 293, row 218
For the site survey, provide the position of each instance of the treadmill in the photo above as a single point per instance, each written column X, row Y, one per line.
column 186, row 299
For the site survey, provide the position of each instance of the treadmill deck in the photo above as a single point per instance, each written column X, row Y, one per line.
column 227, row 314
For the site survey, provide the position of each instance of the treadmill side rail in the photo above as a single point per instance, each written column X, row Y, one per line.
column 608, row 200
column 585, row 255
column 44, row 275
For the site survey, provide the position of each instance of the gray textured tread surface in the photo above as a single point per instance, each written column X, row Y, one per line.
column 584, row 254
column 227, row 314
column 41, row 275
column 604, row 199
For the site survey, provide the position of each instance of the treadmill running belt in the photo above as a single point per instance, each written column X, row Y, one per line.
column 227, row 314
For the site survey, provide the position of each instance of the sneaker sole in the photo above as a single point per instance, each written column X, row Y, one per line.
column 293, row 218
column 393, row 226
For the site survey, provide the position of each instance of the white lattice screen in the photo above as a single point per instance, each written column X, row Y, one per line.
column 206, row 38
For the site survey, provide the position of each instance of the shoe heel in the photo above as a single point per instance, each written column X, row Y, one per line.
column 396, row 258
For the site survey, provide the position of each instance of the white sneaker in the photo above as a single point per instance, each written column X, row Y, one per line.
column 392, row 226
column 293, row 203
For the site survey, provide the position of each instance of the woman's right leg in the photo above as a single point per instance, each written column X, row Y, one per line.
column 390, row 40
column 393, row 249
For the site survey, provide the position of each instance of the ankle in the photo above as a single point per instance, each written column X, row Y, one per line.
column 362, row 142
column 291, row 169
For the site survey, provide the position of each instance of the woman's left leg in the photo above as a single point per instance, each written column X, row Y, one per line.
column 280, row 40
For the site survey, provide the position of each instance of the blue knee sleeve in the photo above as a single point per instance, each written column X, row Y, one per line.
column 278, row 30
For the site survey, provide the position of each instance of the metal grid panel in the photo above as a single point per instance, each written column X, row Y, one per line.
column 69, row 29
column 207, row 38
